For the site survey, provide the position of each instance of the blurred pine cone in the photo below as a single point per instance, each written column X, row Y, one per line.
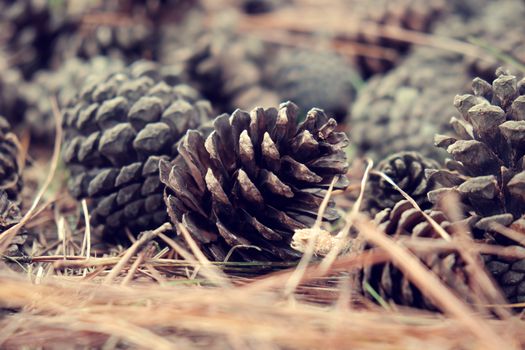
column 314, row 79
column 402, row 110
column 9, row 216
column 224, row 67
column 416, row 15
column 108, row 28
column 254, row 180
column 488, row 166
column 116, row 133
column 61, row 83
column 27, row 29
column 11, row 104
column 10, row 167
column 500, row 32
column 407, row 170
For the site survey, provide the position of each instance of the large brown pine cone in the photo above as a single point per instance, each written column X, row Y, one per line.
column 314, row 79
column 116, row 133
column 254, row 180
column 62, row 83
column 390, row 282
column 10, row 167
column 488, row 167
column 407, row 170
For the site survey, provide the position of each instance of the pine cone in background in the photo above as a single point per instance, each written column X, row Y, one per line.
column 407, row 170
column 390, row 282
column 417, row 15
column 106, row 28
column 500, row 31
column 11, row 105
column 62, row 84
column 9, row 216
column 402, row 110
column 254, row 180
column 255, row 7
column 314, row 79
column 116, row 133
column 10, row 167
column 27, row 28
column 225, row 67
column 488, row 166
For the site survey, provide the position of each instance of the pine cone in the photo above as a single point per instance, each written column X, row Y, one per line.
column 488, row 168
column 11, row 104
column 62, row 84
column 107, row 29
column 27, row 28
column 116, row 133
column 254, row 180
column 224, row 66
column 500, row 29
column 9, row 216
column 390, row 282
column 314, row 79
column 407, row 169
column 416, row 15
column 402, row 110
column 10, row 168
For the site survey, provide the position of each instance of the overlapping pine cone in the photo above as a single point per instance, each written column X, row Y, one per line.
column 62, row 83
column 407, row 170
column 314, row 79
column 487, row 169
column 224, row 66
column 254, row 180
column 390, row 283
column 402, row 110
column 116, row 132
column 11, row 104
column 27, row 29
column 500, row 29
column 10, row 167
column 108, row 28
column 10, row 215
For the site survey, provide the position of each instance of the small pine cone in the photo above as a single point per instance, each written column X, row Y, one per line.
column 10, row 167
column 62, row 83
column 390, row 282
column 225, row 67
column 314, row 79
column 27, row 28
column 116, row 133
column 407, row 170
column 254, row 180
column 10, row 215
column 402, row 110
